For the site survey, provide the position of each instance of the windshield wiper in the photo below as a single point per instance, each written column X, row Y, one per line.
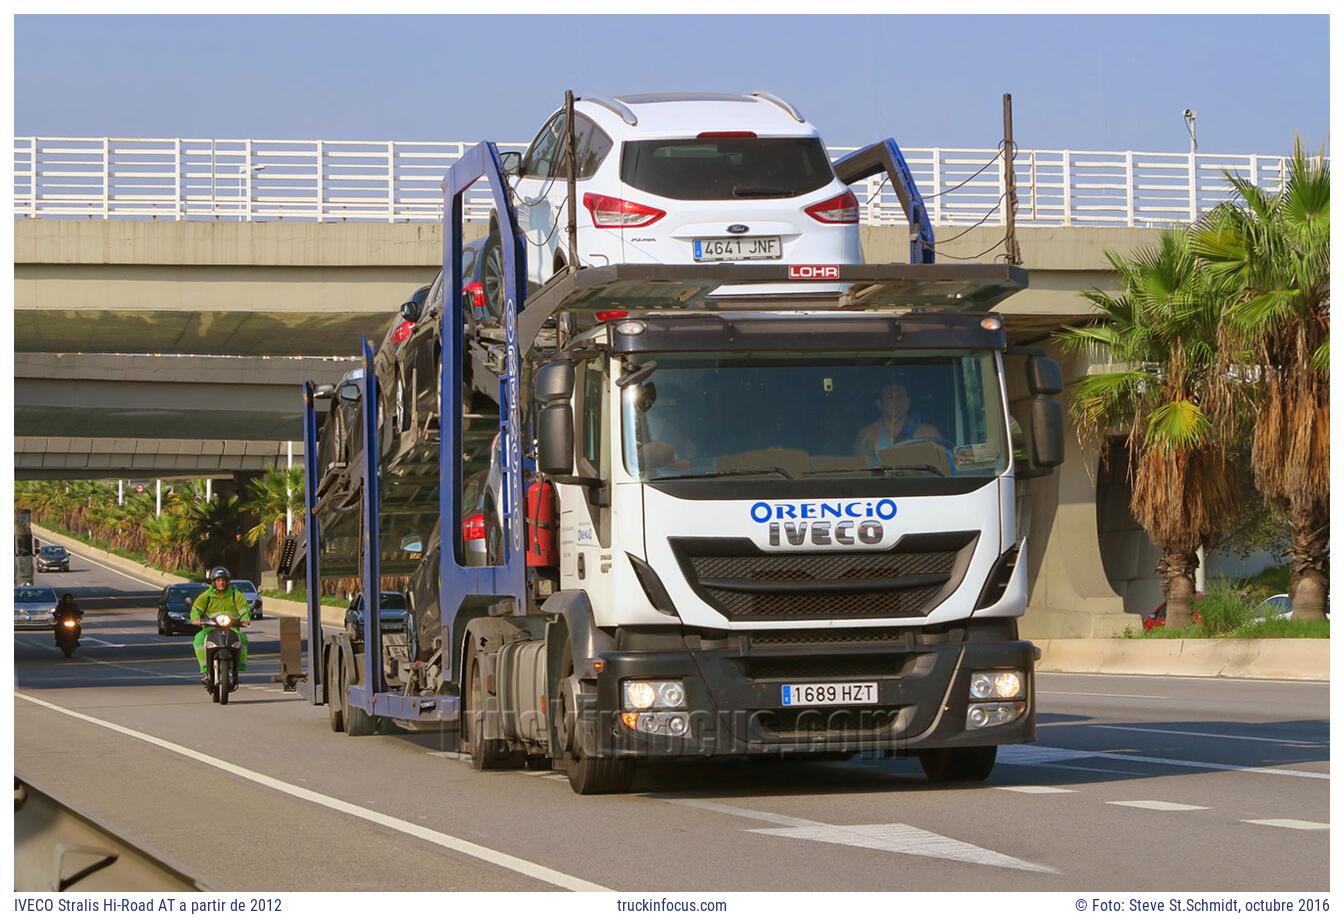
column 755, row 191
column 882, row 470
column 715, row 474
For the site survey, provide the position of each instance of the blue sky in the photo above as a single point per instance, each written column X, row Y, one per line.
column 1098, row 82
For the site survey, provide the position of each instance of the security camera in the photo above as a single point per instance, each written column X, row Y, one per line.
column 1190, row 113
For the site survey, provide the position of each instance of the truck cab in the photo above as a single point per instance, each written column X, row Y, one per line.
column 795, row 533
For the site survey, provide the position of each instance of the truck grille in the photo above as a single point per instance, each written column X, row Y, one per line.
column 745, row 584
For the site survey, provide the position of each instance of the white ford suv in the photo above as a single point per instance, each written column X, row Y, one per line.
column 678, row 178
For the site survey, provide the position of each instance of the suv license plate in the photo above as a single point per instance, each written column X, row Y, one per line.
column 827, row 694
column 737, row 249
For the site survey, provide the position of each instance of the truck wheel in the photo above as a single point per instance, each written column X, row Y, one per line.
column 958, row 765
column 491, row 754
column 599, row 775
column 335, row 711
column 357, row 722
column 590, row 775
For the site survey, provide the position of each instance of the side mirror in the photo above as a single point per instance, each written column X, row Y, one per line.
column 350, row 392
column 555, row 432
column 1047, row 432
column 1044, row 376
column 554, row 382
column 412, row 544
column 410, row 311
column 324, row 391
column 511, row 161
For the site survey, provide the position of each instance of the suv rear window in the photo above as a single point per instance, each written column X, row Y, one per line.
column 702, row 169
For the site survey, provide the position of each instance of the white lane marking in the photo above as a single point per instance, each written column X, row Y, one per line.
column 902, row 838
column 1170, row 731
column 429, row 835
column 894, row 838
column 1292, row 824
column 1033, row 754
column 766, row 816
column 84, row 639
column 1034, row 790
column 1118, row 696
column 1157, row 805
column 117, row 572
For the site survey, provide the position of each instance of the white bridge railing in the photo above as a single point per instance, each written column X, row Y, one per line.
column 330, row 181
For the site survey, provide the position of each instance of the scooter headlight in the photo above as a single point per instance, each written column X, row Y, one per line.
column 69, row 623
column 223, row 619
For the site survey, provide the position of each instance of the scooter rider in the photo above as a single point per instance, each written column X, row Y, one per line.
column 219, row 599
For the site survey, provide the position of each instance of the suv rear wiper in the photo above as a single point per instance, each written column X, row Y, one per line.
column 755, row 191
column 715, row 474
column 882, row 470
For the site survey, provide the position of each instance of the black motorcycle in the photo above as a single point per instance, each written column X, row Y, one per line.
column 223, row 650
column 68, row 628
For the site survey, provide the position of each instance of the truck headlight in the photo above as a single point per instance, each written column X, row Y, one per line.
column 647, row 694
column 996, row 685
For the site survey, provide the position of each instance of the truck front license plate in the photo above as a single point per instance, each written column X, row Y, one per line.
column 737, row 248
column 827, row 694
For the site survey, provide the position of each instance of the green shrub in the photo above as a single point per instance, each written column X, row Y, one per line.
column 1224, row 607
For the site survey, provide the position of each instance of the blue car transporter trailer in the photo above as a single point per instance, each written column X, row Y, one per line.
column 921, row 284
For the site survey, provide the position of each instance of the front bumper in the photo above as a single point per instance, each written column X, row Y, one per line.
column 53, row 567
column 733, row 698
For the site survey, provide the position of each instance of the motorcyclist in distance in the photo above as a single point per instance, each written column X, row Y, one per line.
column 219, row 598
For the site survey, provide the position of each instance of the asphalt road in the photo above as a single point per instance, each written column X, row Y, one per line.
column 1136, row 783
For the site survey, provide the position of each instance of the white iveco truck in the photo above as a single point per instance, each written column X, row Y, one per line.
column 767, row 525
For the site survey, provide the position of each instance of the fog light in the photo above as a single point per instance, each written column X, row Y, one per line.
column 659, row 723
column 996, row 685
column 986, row 715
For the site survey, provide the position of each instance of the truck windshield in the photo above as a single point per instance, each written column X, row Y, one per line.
column 815, row 416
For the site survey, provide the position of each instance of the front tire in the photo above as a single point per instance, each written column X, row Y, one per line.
column 492, row 274
column 958, row 765
column 590, row 775
column 223, row 678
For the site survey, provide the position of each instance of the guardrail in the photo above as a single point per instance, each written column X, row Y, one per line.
column 114, row 178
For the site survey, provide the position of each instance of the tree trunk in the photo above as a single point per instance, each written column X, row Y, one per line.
column 1177, row 568
column 1310, row 557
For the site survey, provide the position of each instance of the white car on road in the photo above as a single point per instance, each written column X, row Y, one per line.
column 677, row 178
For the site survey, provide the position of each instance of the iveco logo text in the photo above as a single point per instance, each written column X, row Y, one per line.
column 825, row 523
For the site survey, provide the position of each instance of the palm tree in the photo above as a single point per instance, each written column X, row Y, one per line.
column 1161, row 333
column 1272, row 250
column 273, row 493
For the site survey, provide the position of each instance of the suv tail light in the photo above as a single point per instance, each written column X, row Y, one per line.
column 604, row 315
column 614, row 213
column 473, row 528
column 842, row 209
column 474, row 294
column 402, row 332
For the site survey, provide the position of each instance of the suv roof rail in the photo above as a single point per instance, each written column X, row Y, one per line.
column 771, row 97
column 624, row 111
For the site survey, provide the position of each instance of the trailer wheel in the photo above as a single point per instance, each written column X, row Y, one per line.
column 491, row 754
column 335, row 710
column 357, row 721
column 958, row 765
